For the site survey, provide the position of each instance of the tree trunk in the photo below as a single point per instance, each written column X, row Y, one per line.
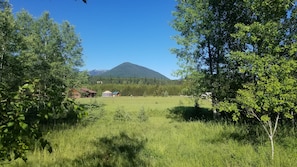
column 293, row 121
column 272, row 146
column 210, row 58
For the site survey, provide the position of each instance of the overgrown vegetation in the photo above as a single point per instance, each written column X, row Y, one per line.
column 161, row 140
column 244, row 53
column 38, row 58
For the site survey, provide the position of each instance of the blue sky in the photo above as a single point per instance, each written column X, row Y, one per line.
column 116, row 31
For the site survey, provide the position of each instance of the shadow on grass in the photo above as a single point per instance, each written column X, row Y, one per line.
column 186, row 113
column 243, row 134
column 90, row 114
column 121, row 150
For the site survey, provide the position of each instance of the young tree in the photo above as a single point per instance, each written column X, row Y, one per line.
column 15, row 134
column 31, row 90
column 270, row 61
column 10, row 73
column 71, row 50
column 205, row 27
column 51, row 49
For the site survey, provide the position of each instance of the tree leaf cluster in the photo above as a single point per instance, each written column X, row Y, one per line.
column 38, row 64
column 205, row 41
column 246, row 50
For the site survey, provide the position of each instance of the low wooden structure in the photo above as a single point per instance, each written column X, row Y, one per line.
column 73, row 93
column 83, row 92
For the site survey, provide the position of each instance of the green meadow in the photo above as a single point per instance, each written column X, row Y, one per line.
column 158, row 132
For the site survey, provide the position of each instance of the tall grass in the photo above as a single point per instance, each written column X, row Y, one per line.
column 160, row 140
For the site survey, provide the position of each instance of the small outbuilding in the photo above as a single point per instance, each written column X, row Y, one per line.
column 88, row 92
column 83, row 92
column 73, row 93
column 116, row 93
column 107, row 94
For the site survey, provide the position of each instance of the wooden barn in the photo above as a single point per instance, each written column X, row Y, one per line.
column 73, row 93
column 88, row 92
column 83, row 92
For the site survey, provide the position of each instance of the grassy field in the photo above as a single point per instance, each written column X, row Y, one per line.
column 157, row 132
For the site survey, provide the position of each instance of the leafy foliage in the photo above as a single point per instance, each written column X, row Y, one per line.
column 19, row 127
column 247, row 50
column 142, row 116
column 205, row 41
column 121, row 115
column 271, row 64
column 35, row 58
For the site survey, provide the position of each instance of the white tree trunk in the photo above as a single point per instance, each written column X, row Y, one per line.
column 272, row 146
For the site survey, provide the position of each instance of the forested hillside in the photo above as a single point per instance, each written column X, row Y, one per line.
column 129, row 70
column 137, row 86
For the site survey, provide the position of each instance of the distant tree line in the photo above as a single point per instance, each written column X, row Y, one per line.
column 140, row 81
column 139, row 89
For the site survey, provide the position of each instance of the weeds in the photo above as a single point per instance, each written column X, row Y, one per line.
column 142, row 116
column 125, row 138
column 121, row 115
column 120, row 150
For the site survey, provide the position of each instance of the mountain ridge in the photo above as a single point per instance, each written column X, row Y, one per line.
column 128, row 70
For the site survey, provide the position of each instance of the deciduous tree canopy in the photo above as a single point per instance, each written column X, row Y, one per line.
column 39, row 61
column 247, row 53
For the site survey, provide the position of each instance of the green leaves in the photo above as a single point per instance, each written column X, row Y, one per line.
column 225, row 106
column 10, row 124
column 268, row 60
column 205, row 43
column 15, row 133
column 23, row 125
column 38, row 58
column 265, row 118
column 270, row 10
column 247, row 51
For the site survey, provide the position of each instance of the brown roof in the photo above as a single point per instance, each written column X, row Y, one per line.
column 87, row 90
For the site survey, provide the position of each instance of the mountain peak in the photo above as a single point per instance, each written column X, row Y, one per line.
column 130, row 70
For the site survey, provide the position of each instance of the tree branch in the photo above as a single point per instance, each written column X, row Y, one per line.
column 261, row 122
column 275, row 124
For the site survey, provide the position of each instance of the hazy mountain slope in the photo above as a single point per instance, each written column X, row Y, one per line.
column 129, row 70
column 97, row 72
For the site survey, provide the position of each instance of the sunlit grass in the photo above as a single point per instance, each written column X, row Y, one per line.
column 101, row 140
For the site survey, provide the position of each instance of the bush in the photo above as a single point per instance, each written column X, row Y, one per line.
column 25, row 111
column 142, row 117
column 121, row 115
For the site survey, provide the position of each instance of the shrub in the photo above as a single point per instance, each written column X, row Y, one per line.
column 142, row 117
column 121, row 115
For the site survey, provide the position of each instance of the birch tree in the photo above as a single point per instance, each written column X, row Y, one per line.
column 270, row 60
